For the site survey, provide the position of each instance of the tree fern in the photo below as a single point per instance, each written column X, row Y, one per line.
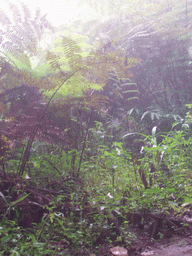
column 22, row 33
column 53, row 60
column 93, row 69
column 26, row 12
column 70, row 47
column 16, row 13
column 4, row 20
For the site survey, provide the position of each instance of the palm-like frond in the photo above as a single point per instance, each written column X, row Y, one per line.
column 16, row 13
column 22, row 32
column 26, row 12
column 4, row 19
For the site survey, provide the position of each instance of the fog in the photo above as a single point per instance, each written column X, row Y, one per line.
column 58, row 12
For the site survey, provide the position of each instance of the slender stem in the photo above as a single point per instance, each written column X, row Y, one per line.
column 113, row 180
column 26, row 154
column 84, row 143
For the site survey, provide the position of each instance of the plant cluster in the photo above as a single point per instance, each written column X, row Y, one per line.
column 95, row 138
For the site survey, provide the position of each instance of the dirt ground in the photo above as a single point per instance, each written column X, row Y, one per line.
column 177, row 246
column 173, row 243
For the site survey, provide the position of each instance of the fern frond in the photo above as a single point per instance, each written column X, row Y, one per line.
column 16, row 13
column 26, row 12
column 44, row 23
column 37, row 14
column 53, row 60
column 70, row 47
column 132, row 98
column 7, row 46
column 4, row 20
column 95, row 101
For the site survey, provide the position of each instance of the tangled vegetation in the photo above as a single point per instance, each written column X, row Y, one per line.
column 95, row 138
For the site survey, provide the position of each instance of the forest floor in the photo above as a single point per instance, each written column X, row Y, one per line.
column 178, row 245
column 175, row 246
column 172, row 243
column 145, row 234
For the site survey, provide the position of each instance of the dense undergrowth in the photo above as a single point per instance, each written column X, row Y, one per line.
column 51, row 211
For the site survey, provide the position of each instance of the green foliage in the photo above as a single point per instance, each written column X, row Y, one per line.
column 87, row 146
column 18, row 241
column 111, row 178
column 91, row 69
column 171, row 163
column 160, row 41
column 188, row 114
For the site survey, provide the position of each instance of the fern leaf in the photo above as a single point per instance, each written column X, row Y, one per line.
column 132, row 98
column 37, row 14
column 53, row 59
column 15, row 12
column 4, row 20
column 70, row 47
column 44, row 23
column 7, row 46
column 26, row 12
column 114, row 79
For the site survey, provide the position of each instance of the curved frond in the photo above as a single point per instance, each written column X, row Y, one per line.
column 16, row 13
column 53, row 60
column 70, row 47
column 37, row 14
column 4, row 20
column 26, row 12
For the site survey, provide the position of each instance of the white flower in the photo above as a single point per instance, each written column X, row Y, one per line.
column 109, row 195
column 118, row 152
column 142, row 150
column 27, row 177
